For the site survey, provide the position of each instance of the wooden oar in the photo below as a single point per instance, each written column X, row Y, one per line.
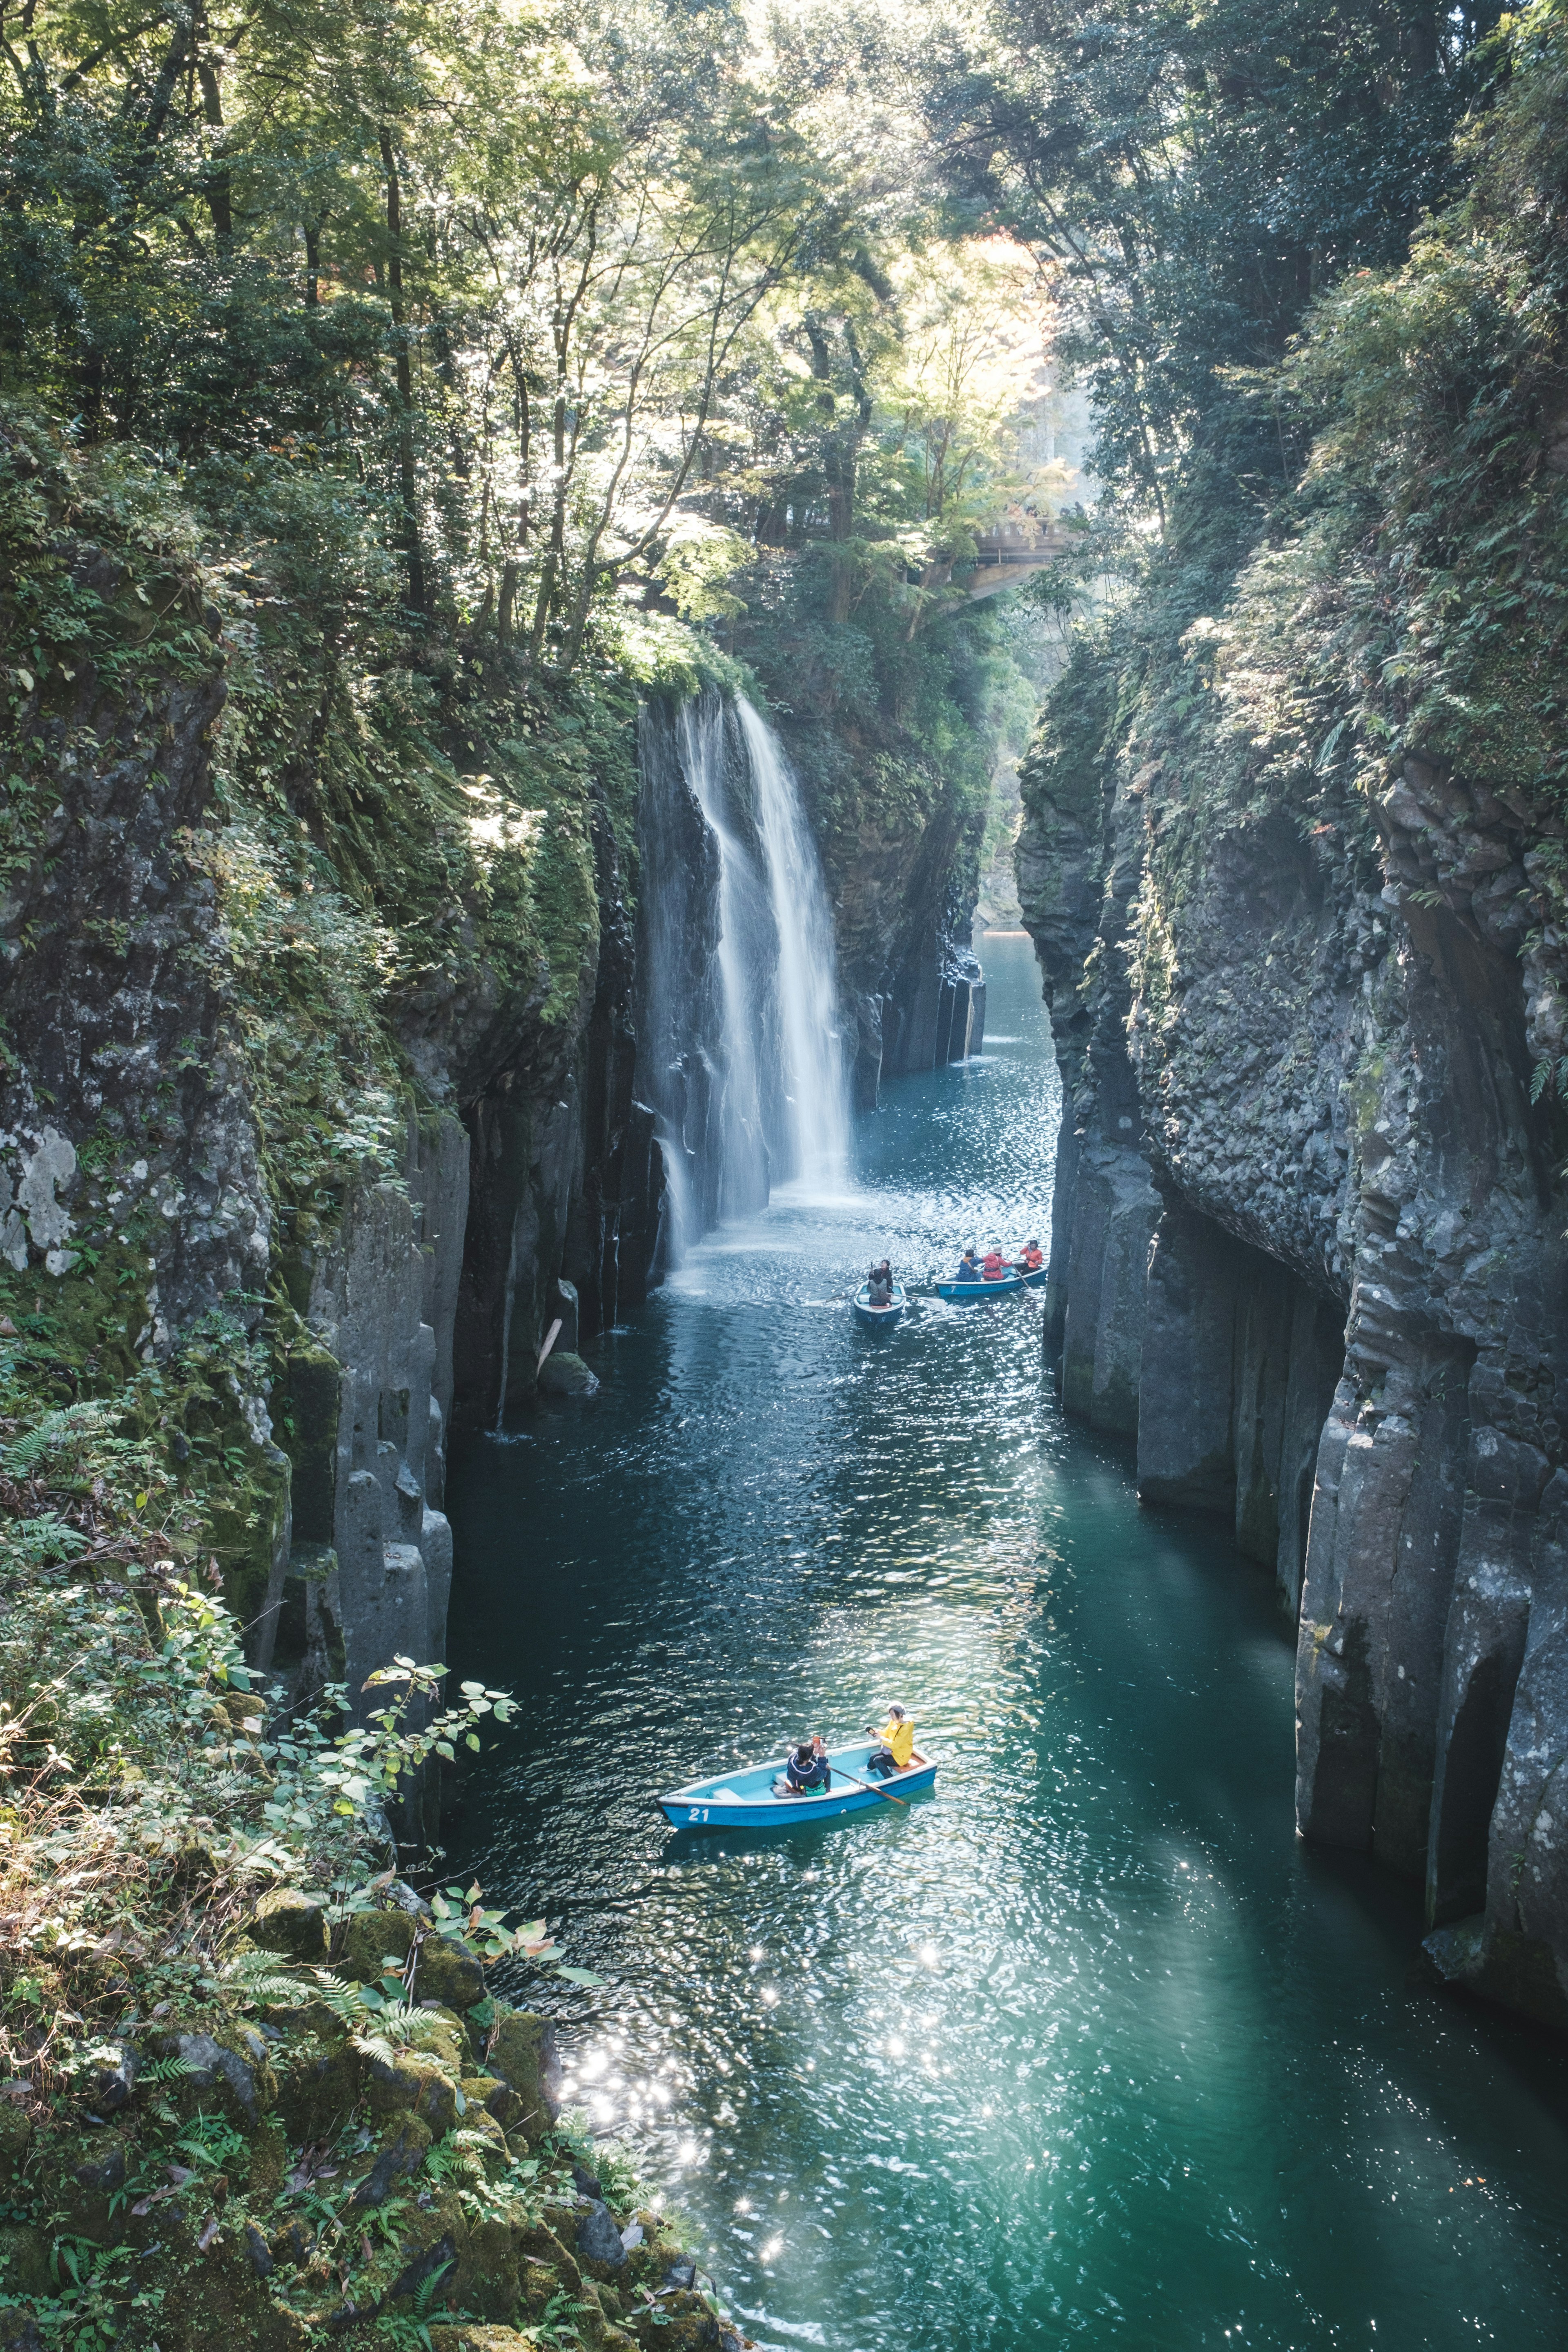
column 886, row 1793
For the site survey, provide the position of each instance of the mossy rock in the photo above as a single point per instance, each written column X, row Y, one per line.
column 503, row 2101
column 401, row 2154
column 24, row 2262
column 542, row 2256
column 487, row 2280
column 496, row 2155
column 477, row 2336
column 565, row 1375
column 235, row 2073
column 685, row 2324
column 447, row 1974
column 268, row 2162
column 306, row 1412
column 318, row 2084
column 372, row 1939
column 291, row 1923
column 405, row 2084
column 15, row 2139
column 83, row 2172
column 216, row 2296
column 496, row 2099
column 432, row 2244
column 601, row 2325
column 522, row 2053
column 440, row 2034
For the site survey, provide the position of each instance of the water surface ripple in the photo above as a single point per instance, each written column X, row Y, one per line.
column 1086, row 2050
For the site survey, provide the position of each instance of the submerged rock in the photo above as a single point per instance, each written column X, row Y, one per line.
column 566, row 1375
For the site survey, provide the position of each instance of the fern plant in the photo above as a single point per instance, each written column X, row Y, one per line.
column 254, row 1978
column 66, row 1424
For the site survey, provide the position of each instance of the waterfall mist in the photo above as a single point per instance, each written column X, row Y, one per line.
column 740, row 1058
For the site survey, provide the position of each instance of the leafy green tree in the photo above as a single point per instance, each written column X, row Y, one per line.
column 1195, row 175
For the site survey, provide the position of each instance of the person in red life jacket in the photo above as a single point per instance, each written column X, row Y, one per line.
column 1033, row 1258
column 993, row 1266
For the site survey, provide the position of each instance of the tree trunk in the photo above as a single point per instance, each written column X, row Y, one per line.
column 408, row 477
column 219, row 187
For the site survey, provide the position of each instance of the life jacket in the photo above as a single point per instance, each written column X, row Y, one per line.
column 1033, row 1259
column 991, row 1266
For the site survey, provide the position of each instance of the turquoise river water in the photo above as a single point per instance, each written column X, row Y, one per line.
column 1084, row 2050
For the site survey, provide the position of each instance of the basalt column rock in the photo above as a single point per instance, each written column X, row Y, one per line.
column 1106, row 1206
column 378, row 1379
column 614, row 1214
column 1351, row 1339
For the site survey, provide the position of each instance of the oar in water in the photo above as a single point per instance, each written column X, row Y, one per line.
column 885, row 1793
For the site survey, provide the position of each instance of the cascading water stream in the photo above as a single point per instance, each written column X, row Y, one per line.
column 815, row 1091
column 742, row 1057
column 742, row 914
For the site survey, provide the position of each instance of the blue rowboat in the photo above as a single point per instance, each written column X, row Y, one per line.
column 745, row 1799
column 877, row 1319
column 966, row 1293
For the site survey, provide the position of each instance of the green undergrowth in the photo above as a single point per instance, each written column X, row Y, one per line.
column 252, row 2081
column 402, row 839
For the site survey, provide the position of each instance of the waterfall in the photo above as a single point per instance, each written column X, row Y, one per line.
column 743, row 1159
column 816, row 1094
column 740, row 1055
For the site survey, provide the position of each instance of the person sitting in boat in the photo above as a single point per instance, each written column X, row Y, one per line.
column 898, row 1738
column 993, row 1266
column 806, row 1766
column 968, row 1267
column 1033, row 1258
column 879, row 1287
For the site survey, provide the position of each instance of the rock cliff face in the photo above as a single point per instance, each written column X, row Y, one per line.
column 519, row 1181
column 1308, row 1254
column 912, row 988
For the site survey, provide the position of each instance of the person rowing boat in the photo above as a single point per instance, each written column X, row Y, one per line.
column 898, row 1738
column 1034, row 1257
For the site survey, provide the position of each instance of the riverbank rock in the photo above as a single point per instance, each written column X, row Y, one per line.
column 402, row 2083
column 599, row 2246
column 449, row 1974
column 566, row 1375
column 522, row 2051
column 293, row 1923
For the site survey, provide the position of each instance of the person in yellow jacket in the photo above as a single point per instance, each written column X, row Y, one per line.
column 898, row 1738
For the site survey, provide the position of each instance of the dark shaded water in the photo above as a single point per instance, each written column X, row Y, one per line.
column 1086, row 2050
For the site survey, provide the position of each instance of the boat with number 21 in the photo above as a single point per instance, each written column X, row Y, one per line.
column 751, row 1797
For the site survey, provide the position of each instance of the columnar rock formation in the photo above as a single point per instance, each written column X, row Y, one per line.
column 1309, row 1252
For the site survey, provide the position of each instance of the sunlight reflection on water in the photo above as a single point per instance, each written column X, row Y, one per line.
column 1084, row 2048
